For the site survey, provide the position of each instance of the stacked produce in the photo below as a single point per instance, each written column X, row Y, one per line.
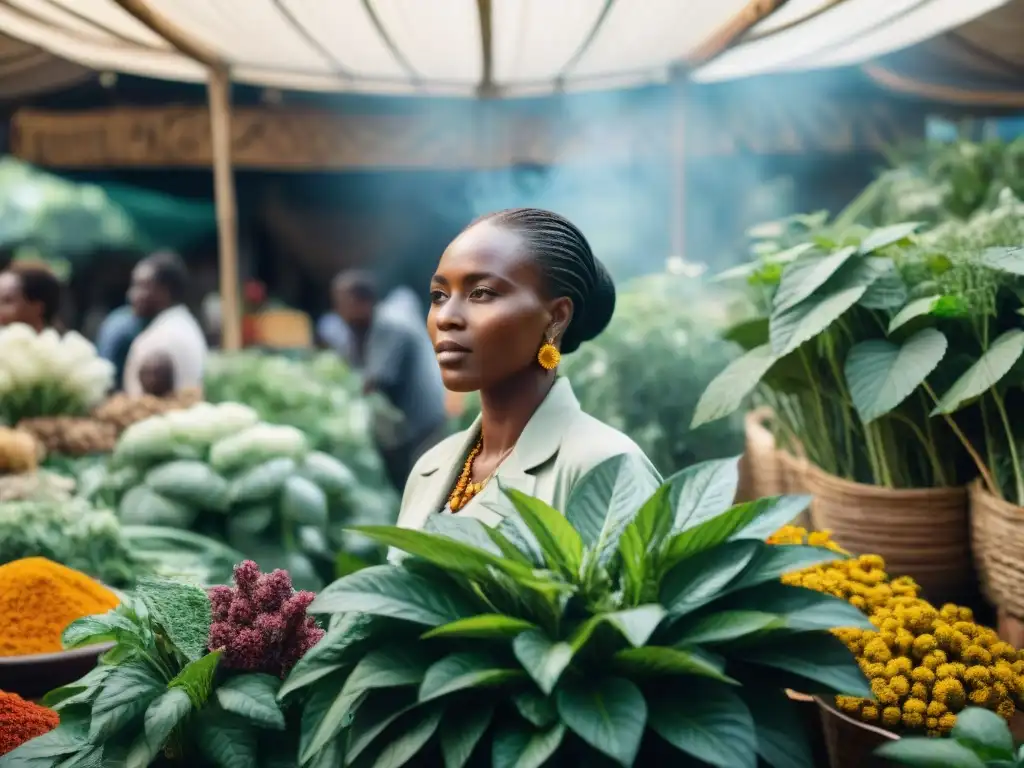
column 41, row 486
column 39, row 598
column 122, row 410
column 925, row 664
column 219, row 470
column 323, row 399
column 19, row 452
column 22, row 720
column 71, row 435
column 46, row 374
column 180, row 688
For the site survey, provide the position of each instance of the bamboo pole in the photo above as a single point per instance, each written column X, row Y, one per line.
column 219, row 89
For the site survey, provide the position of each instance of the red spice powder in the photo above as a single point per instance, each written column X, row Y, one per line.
column 22, row 720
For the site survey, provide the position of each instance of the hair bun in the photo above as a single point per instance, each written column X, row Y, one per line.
column 593, row 317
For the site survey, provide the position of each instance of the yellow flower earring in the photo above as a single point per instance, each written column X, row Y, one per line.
column 548, row 355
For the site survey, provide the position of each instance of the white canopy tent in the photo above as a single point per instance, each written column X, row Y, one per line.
column 490, row 48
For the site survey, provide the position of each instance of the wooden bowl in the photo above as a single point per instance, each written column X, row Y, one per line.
column 33, row 676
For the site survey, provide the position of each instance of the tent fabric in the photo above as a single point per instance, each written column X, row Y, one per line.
column 980, row 64
column 26, row 70
column 451, row 47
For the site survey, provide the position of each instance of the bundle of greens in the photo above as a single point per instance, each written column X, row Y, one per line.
column 628, row 630
column 173, row 690
column 219, row 471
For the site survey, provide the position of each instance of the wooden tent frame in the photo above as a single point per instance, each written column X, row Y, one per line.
column 219, row 97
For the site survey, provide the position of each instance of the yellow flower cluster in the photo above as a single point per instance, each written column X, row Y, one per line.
column 924, row 664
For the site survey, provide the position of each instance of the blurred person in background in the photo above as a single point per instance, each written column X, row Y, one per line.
column 157, row 296
column 397, row 362
column 115, row 336
column 29, row 294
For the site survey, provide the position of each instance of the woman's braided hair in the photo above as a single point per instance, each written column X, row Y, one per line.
column 568, row 264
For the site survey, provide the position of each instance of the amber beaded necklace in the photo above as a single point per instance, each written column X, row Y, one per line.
column 464, row 490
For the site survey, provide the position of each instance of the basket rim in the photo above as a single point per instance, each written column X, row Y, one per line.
column 977, row 490
column 879, row 492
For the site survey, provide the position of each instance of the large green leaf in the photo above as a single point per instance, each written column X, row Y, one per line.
column 324, row 713
column 517, row 746
column 466, row 530
column 388, row 667
column 700, row 492
column 182, row 611
column 226, row 740
column 988, row 371
column 655, row 662
column 343, row 644
column 486, row 625
column 543, row 659
column 536, row 709
column 985, row 732
column 914, row 309
column 792, row 327
column 559, row 541
column 773, row 561
column 710, row 723
column 748, row 333
column 781, row 738
column 818, row 658
column 106, row 627
column 641, row 540
column 462, row 730
column 605, row 500
column 800, row 609
column 379, row 710
column 197, row 678
column 887, row 292
column 415, row 734
column 68, row 738
column 163, row 715
column 387, row 590
column 881, row 375
column 730, row 388
column 772, row 515
column 885, row 236
column 127, row 692
column 804, row 276
column 725, row 627
column 769, row 513
column 635, row 624
column 929, row 753
column 697, row 580
column 609, row 714
column 253, row 697
column 459, row 671
column 1008, row 260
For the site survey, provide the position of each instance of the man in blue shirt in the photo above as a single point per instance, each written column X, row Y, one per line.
column 115, row 336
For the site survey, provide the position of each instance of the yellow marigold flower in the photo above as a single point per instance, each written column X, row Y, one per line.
column 919, row 691
column 932, row 724
column 891, row 716
column 1002, row 691
column 872, row 561
column 974, row 654
column 858, row 602
column 923, row 645
column 979, row 697
column 950, row 611
column 1018, row 667
column 933, row 661
column 913, row 719
column 946, row 722
column 1002, row 651
column 904, row 585
column 900, row 685
column 968, row 628
column 869, row 713
column 876, row 650
column 915, row 705
column 848, row 704
column 959, row 642
column 1006, row 709
column 936, row 709
column 889, row 625
column 883, row 693
column 944, row 671
column 966, row 614
column 977, row 676
column 944, row 635
column 950, row 692
column 923, row 675
column 904, row 641
column 1003, row 672
column 872, row 669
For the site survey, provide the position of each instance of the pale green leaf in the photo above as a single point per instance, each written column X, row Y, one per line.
column 711, row 724
column 881, row 375
column 543, row 658
column 730, row 388
column 182, row 611
column 725, row 627
column 885, row 236
column 923, row 752
column 559, row 541
column 486, row 625
column 656, row 661
column 791, row 328
column 887, row 292
column 1009, row 260
column 127, row 691
column 988, row 371
column 253, row 697
column 636, row 625
column 698, row 493
column 800, row 609
column 774, row 561
column 197, row 678
column 804, row 276
column 704, row 577
column 609, row 714
column 914, row 309
column 984, row 731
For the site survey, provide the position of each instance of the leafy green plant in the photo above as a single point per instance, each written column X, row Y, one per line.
column 631, row 628
column 157, row 696
column 980, row 739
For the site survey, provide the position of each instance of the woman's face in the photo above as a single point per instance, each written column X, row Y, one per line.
column 13, row 307
column 488, row 311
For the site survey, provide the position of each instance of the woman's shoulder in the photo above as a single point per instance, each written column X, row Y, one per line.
column 590, row 441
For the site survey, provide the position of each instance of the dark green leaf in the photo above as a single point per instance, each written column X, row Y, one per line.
column 517, row 746
column 197, row 678
column 635, row 624
column 725, row 626
column 888, row 292
column 774, row 561
column 544, row 659
column 103, row 628
column 800, row 609
column 641, row 540
column 702, row 578
column 44, row 751
column 182, row 611
column 379, row 710
column 655, row 662
column 744, row 521
column 985, row 732
column 701, row 492
column 929, row 753
column 609, row 714
column 803, row 277
column 710, row 723
column 820, row 658
column 226, row 740
column 486, row 625
column 881, row 375
column 729, row 389
column 460, row 671
column 536, row 709
column 387, row 590
column 345, row 642
column 126, row 693
column 514, row 540
column 321, row 722
column 772, row 515
column 559, row 541
column 389, row 667
column 83, row 691
column 163, row 715
column 781, row 738
column 460, row 734
column 606, row 499
column 402, row 749
column 254, row 697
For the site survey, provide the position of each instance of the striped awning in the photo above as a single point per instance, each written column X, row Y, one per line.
column 465, row 47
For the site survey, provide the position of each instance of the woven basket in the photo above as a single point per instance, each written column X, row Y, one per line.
column 766, row 469
column 921, row 532
column 850, row 743
column 997, row 535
